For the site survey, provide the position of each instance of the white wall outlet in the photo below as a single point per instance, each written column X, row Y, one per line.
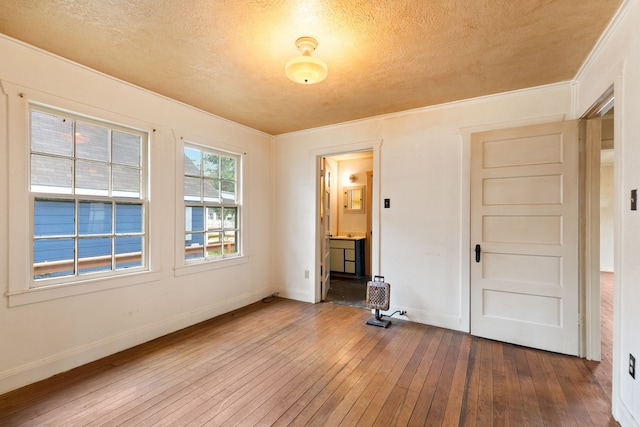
column 306, row 274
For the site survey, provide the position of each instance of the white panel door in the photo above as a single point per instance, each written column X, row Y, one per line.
column 325, row 221
column 524, row 236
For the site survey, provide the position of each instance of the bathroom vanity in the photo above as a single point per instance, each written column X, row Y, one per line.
column 347, row 255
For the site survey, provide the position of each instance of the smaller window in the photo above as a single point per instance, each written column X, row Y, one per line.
column 212, row 204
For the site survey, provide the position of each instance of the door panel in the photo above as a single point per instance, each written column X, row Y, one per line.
column 522, row 229
column 508, row 191
column 524, row 216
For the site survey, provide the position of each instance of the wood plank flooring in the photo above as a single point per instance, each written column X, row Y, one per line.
column 289, row 363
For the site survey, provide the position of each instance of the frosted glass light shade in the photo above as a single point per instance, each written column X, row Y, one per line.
column 306, row 69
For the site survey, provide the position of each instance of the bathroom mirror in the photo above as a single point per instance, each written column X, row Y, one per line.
column 354, row 199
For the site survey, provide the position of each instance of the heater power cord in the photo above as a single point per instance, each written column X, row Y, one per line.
column 401, row 312
column 270, row 298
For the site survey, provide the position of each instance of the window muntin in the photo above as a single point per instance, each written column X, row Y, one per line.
column 87, row 187
column 212, row 205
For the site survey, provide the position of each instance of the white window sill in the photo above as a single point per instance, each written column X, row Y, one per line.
column 203, row 266
column 47, row 293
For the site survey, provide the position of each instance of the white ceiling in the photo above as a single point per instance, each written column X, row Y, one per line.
column 227, row 57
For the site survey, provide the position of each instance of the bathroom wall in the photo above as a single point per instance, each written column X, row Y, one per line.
column 349, row 222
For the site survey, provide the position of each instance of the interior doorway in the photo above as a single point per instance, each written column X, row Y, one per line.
column 351, row 219
column 598, row 235
column 606, row 202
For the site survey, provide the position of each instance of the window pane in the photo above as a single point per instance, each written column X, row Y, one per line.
column 214, row 244
column 92, row 142
column 230, row 217
column 126, row 148
column 228, row 168
column 53, row 258
column 210, row 165
column 214, row 218
column 192, row 189
column 230, row 238
column 192, row 161
column 194, row 246
column 126, row 181
column 128, row 252
column 51, row 174
column 92, row 178
column 94, row 218
column 194, row 218
column 51, row 134
column 128, row 218
column 228, row 191
column 211, row 190
column 53, row 218
column 94, row 254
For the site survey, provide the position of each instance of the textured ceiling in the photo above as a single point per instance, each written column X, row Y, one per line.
column 227, row 56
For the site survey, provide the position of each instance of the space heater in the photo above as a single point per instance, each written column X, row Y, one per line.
column 378, row 292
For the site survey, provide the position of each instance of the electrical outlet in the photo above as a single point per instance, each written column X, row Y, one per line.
column 306, row 274
column 632, row 366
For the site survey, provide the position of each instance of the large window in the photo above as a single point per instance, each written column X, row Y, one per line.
column 212, row 204
column 87, row 183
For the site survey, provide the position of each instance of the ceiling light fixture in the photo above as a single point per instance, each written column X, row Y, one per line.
column 305, row 69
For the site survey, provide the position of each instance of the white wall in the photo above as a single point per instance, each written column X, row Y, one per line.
column 421, row 159
column 40, row 339
column 606, row 217
column 352, row 223
column 616, row 60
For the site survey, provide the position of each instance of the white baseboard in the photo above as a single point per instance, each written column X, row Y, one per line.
column 295, row 295
column 622, row 415
column 429, row 318
column 29, row 373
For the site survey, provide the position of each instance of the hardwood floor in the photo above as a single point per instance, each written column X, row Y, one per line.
column 602, row 371
column 290, row 363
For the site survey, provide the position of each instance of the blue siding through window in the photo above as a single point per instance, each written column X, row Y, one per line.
column 57, row 218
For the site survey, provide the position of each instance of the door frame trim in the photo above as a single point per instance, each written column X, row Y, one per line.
column 376, row 222
column 590, row 236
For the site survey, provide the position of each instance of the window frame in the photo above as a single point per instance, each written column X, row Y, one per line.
column 221, row 204
column 79, row 197
column 20, row 289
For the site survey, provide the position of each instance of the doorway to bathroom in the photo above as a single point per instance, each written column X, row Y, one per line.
column 349, row 231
